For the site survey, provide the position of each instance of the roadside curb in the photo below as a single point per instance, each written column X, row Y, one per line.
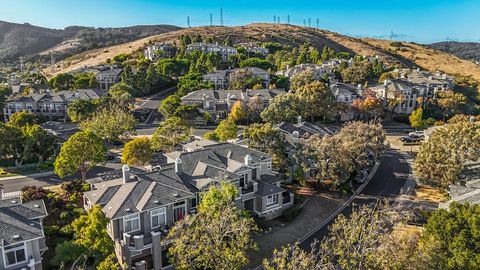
column 41, row 174
column 342, row 207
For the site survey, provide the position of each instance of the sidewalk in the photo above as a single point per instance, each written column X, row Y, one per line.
column 33, row 175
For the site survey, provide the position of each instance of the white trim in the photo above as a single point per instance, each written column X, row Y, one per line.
column 157, row 212
column 274, row 200
column 131, row 217
column 14, row 250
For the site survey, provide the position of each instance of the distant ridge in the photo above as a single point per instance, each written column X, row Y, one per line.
column 28, row 40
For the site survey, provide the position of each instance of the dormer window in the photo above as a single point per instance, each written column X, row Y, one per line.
column 131, row 223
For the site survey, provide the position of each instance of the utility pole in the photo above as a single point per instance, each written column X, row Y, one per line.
column 221, row 16
column 188, row 21
column 318, row 23
column 288, row 19
column 309, row 22
column 211, row 19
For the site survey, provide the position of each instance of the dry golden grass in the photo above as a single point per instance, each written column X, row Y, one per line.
column 430, row 59
column 430, row 194
column 288, row 34
column 405, row 229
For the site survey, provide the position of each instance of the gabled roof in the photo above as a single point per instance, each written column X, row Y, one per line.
column 233, row 95
column 21, row 221
column 343, row 88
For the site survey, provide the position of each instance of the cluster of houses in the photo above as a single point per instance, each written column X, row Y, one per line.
column 106, row 75
column 48, row 104
column 221, row 78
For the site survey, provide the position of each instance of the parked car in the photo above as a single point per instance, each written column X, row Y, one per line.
column 361, row 176
column 411, row 139
column 420, row 134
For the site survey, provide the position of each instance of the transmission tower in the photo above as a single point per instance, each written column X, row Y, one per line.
column 309, row 22
column 304, row 22
column 278, row 19
column 188, row 21
column 274, row 18
column 211, row 19
column 221, row 16
column 318, row 23
column 288, row 19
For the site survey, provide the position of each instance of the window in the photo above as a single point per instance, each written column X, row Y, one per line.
column 15, row 254
column 271, row 199
column 269, row 165
column 131, row 223
column 193, row 202
column 158, row 217
column 179, row 210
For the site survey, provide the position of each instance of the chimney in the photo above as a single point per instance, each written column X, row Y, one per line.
column 126, row 173
column 295, row 135
column 248, row 160
column 299, row 120
column 178, row 165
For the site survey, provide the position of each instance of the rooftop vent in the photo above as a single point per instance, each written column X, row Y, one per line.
column 16, row 236
column 37, row 206
column 13, row 202
column 32, row 224
column 175, row 195
column 128, row 210
column 156, row 201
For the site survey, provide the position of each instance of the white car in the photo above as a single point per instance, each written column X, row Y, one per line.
column 420, row 134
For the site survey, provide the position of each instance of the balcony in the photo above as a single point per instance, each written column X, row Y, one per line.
column 141, row 241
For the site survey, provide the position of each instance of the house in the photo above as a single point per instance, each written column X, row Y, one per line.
column 345, row 94
column 142, row 206
column 22, row 240
column 467, row 189
column 404, row 92
column 106, row 75
column 253, row 48
column 52, row 105
column 22, row 88
column 222, row 78
column 167, row 50
column 218, row 103
column 428, row 83
column 319, row 71
column 224, row 51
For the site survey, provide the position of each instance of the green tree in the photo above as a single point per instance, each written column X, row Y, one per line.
column 12, row 143
column 81, row 152
column 266, row 138
column 226, row 130
column 169, row 134
column 111, row 123
column 192, row 82
column 283, row 108
column 38, row 142
column 121, row 91
column 137, row 152
column 456, row 236
column 62, row 81
column 441, row 158
column 4, row 92
column 318, row 99
column 80, row 109
column 243, row 79
column 256, row 62
column 218, row 237
column 85, row 81
column 301, row 79
column 22, row 118
column 450, row 102
column 169, row 105
column 90, row 232
column 291, row 257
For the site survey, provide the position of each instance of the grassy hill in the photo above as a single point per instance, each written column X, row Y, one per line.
column 465, row 50
column 28, row 40
column 409, row 54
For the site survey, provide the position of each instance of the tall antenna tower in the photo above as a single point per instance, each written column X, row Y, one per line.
column 288, row 19
column 274, row 18
column 318, row 23
column 278, row 19
column 211, row 19
column 304, row 23
column 221, row 16
column 188, row 21
column 309, row 22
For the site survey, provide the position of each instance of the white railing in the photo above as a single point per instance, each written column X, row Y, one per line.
column 8, row 195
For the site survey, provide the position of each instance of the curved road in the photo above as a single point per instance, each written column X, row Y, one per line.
column 387, row 182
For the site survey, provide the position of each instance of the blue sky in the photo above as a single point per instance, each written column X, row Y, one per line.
column 422, row 21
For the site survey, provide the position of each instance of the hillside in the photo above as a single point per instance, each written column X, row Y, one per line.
column 28, row 40
column 411, row 55
column 465, row 50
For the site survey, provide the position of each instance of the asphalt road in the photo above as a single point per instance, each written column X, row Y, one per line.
column 387, row 182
